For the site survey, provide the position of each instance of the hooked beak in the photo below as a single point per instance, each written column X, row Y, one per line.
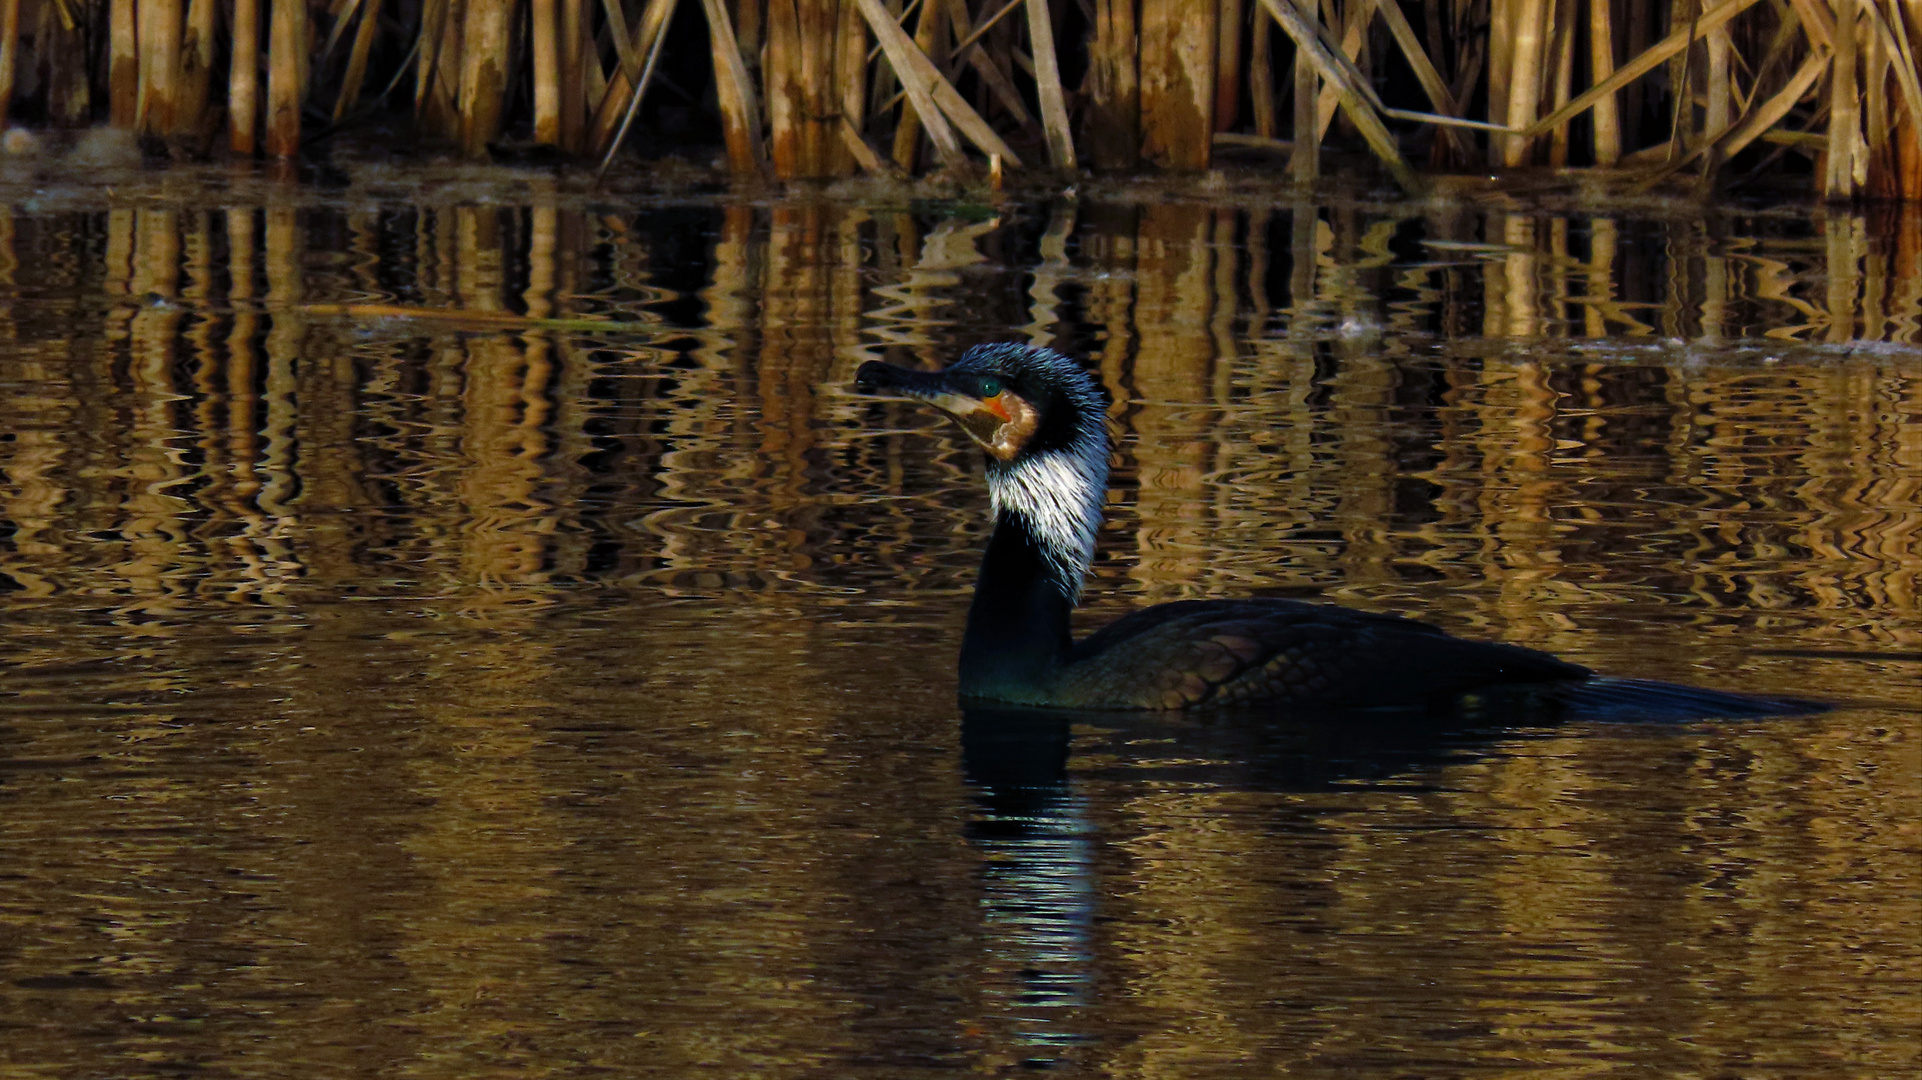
column 933, row 387
column 1000, row 423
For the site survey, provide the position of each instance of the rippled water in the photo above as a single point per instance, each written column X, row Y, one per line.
column 456, row 696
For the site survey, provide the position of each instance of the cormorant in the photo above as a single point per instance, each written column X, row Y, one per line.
column 1042, row 420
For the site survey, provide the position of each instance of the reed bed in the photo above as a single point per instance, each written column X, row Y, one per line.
column 801, row 89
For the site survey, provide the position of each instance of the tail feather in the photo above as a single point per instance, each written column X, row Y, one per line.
column 1606, row 698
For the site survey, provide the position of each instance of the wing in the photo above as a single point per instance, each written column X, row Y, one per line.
column 1205, row 653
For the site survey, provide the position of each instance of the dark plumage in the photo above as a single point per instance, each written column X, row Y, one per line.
column 1041, row 419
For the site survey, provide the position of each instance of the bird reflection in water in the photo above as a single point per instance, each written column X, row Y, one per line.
column 1038, row 887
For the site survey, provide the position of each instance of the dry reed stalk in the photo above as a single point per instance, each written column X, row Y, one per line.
column 69, row 95
column 1047, row 77
column 574, row 52
column 629, row 61
column 1907, row 18
column 927, row 86
column 1468, row 73
column 884, row 91
column 243, row 80
column 196, row 68
column 1895, row 49
column 1261, row 75
column 1717, row 117
column 286, row 52
column 930, row 32
column 850, row 81
column 123, row 64
column 633, row 104
column 483, row 73
column 1758, row 121
column 1525, row 77
column 160, row 22
column 1113, row 126
column 544, row 33
column 900, row 52
column 1353, row 31
column 1424, row 69
column 780, row 79
column 1880, row 152
column 740, row 116
column 1177, row 83
column 1664, row 50
column 433, row 13
column 1304, row 161
column 1601, row 64
column 356, row 73
column 1228, row 22
column 620, row 89
column 1842, row 175
column 1501, row 64
column 445, row 103
column 1564, row 53
column 821, row 150
column 1816, row 22
column 1355, row 95
column 1901, row 43
column 9, row 51
column 988, row 64
column 593, row 85
column 750, row 27
column 1684, row 73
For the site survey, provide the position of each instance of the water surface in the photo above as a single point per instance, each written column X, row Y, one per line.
column 400, row 697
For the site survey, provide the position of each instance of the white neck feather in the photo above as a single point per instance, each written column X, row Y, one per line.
column 1060, row 495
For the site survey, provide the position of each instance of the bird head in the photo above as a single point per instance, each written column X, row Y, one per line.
column 1043, row 421
column 1014, row 401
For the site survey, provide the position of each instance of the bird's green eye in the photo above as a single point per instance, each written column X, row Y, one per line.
column 990, row 386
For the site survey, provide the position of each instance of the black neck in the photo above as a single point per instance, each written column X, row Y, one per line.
column 1018, row 634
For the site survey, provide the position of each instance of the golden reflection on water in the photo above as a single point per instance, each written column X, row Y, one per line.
column 414, row 697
